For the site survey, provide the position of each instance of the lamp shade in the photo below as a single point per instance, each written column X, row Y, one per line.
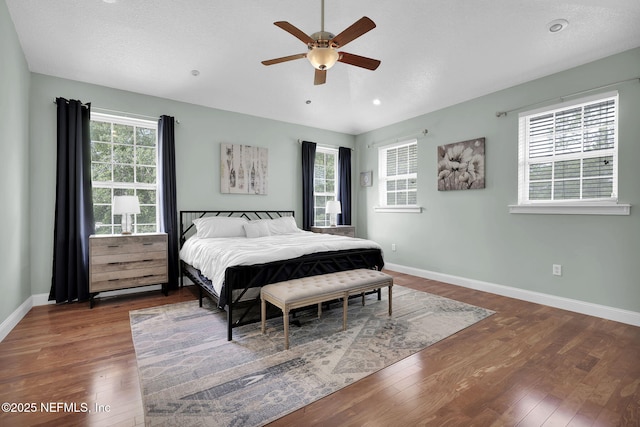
column 323, row 58
column 126, row 205
column 333, row 207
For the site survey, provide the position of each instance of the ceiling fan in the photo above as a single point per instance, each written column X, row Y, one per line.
column 323, row 47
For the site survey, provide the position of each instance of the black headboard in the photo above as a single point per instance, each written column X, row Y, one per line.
column 187, row 228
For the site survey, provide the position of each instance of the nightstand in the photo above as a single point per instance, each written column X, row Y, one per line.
column 127, row 261
column 339, row 230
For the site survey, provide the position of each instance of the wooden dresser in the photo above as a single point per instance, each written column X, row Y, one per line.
column 127, row 261
column 340, row 230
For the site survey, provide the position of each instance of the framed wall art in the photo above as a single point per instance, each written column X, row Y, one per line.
column 461, row 165
column 366, row 179
column 244, row 169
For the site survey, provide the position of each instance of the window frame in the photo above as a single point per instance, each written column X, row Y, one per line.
column 601, row 205
column 134, row 186
column 326, row 151
column 383, row 178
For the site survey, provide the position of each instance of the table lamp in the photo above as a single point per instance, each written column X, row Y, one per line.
column 333, row 208
column 126, row 206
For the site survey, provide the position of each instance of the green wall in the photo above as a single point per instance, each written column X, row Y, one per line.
column 14, row 173
column 471, row 234
column 198, row 138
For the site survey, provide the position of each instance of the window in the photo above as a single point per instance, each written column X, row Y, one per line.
column 398, row 176
column 568, row 154
column 325, row 183
column 124, row 162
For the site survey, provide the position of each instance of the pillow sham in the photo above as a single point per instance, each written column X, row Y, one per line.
column 215, row 226
column 283, row 225
column 255, row 229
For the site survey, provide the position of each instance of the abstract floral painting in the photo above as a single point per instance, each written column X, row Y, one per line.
column 461, row 165
column 243, row 169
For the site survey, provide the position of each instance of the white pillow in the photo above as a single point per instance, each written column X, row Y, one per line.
column 218, row 226
column 255, row 229
column 283, row 225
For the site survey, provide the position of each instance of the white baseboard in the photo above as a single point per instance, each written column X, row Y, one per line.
column 14, row 318
column 43, row 299
column 603, row 311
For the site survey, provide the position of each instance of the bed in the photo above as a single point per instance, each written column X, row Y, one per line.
column 229, row 255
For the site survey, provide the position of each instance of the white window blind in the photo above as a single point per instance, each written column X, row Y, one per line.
column 398, row 174
column 568, row 153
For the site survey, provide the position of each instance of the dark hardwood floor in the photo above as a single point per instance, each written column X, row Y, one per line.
column 527, row 365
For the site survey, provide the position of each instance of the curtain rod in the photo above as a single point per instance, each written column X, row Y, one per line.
column 124, row 113
column 324, row 145
column 86, row 104
column 561, row 98
column 416, row 134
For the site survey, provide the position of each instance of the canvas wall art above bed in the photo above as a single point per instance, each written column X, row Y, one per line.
column 230, row 255
column 244, row 169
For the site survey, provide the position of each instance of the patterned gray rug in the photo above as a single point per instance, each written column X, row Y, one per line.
column 192, row 376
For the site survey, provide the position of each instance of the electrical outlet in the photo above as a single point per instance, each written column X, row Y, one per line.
column 557, row 270
column 393, row 247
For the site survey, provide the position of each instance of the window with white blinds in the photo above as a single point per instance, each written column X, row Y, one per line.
column 398, row 174
column 569, row 152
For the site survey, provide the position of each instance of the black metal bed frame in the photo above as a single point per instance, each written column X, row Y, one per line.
column 243, row 278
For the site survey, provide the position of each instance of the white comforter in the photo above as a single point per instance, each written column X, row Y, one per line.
column 213, row 256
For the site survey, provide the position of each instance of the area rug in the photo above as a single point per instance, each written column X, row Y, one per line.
column 192, row 376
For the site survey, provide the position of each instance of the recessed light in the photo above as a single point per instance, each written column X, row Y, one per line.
column 195, row 73
column 376, row 102
column 557, row 25
column 110, row 1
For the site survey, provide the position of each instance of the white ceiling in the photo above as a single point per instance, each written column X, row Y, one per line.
column 434, row 53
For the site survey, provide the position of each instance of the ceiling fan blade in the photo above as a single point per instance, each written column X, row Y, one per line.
column 294, row 31
column 320, row 78
column 358, row 61
column 356, row 29
column 284, row 59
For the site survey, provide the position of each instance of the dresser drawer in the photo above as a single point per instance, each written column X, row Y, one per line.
column 121, row 245
column 122, row 282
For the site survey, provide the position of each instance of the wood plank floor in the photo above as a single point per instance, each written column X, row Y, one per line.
column 527, row 365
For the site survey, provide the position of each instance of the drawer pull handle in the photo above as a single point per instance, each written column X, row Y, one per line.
column 148, row 275
column 113, row 246
column 148, row 244
column 113, row 280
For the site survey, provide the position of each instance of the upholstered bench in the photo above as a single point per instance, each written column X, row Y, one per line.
column 312, row 290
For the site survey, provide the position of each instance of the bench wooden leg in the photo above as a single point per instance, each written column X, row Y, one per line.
column 263, row 315
column 345, row 305
column 285, row 320
column 390, row 297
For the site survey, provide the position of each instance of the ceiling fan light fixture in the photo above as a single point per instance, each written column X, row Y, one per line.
column 323, row 58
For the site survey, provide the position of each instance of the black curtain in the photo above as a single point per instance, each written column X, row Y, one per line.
column 344, row 186
column 308, row 162
column 73, row 223
column 168, row 205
